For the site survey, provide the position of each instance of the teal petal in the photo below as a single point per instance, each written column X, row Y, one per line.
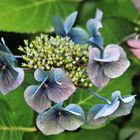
column 59, row 26
column 40, row 75
column 69, row 22
column 78, row 35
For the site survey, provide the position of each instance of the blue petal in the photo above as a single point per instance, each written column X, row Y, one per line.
column 75, row 109
column 70, row 20
column 108, row 110
column 126, row 104
column 36, row 97
column 78, row 35
column 40, row 75
column 61, row 87
column 48, row 123
column 99, row 15
column 10, row 79
column 91, row 114
column 96, row 40
column 59, row 26
column 93, row 25
column 124, row 109
column 72, row 117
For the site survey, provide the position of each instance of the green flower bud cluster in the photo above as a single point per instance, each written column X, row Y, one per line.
column 51, row 52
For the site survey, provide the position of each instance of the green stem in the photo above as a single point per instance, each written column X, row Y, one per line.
column 25, row 129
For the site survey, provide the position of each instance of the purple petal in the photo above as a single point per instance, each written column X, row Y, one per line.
column 94, row 53
column 9, row 81
column 47, row 122
column 62, row 88
column 112, row 52
column 40, row 75
column 96, row 75
column 36, row 97
column 116, row 69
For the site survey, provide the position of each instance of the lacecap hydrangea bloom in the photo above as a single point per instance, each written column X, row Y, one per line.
column 52, row 52
column 73, row 58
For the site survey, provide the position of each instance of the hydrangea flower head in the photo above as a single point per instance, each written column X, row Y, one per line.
column 120, row 106
column 57, row 119
column 112, row 64
column 10, row 76
column 55, row 86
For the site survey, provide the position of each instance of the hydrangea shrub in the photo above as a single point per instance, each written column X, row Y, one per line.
column 73, row 58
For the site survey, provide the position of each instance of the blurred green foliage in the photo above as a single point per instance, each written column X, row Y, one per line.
column 35, row 16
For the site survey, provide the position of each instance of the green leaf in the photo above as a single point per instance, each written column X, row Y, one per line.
column 101, row 134
column 110, row 8
column 15, row 116
column 126, row 132
column 87, row 100
column 30, row 16
column 114, row 29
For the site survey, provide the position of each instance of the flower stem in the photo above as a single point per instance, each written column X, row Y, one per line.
column 98, row 96
column 25, row 129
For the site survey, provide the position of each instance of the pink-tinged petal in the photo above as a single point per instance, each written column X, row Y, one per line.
column 134, row 43
column 116, row 69
column 112, row 53
column 96, row 75
column 62, row 88
column 136, row 52
column 36, row 97
column 9, row 81
column 94, row 53
column 137, row 4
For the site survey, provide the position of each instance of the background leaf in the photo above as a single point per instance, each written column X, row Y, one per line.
column 15, row 116
column 30, row 16
column 102, row 134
